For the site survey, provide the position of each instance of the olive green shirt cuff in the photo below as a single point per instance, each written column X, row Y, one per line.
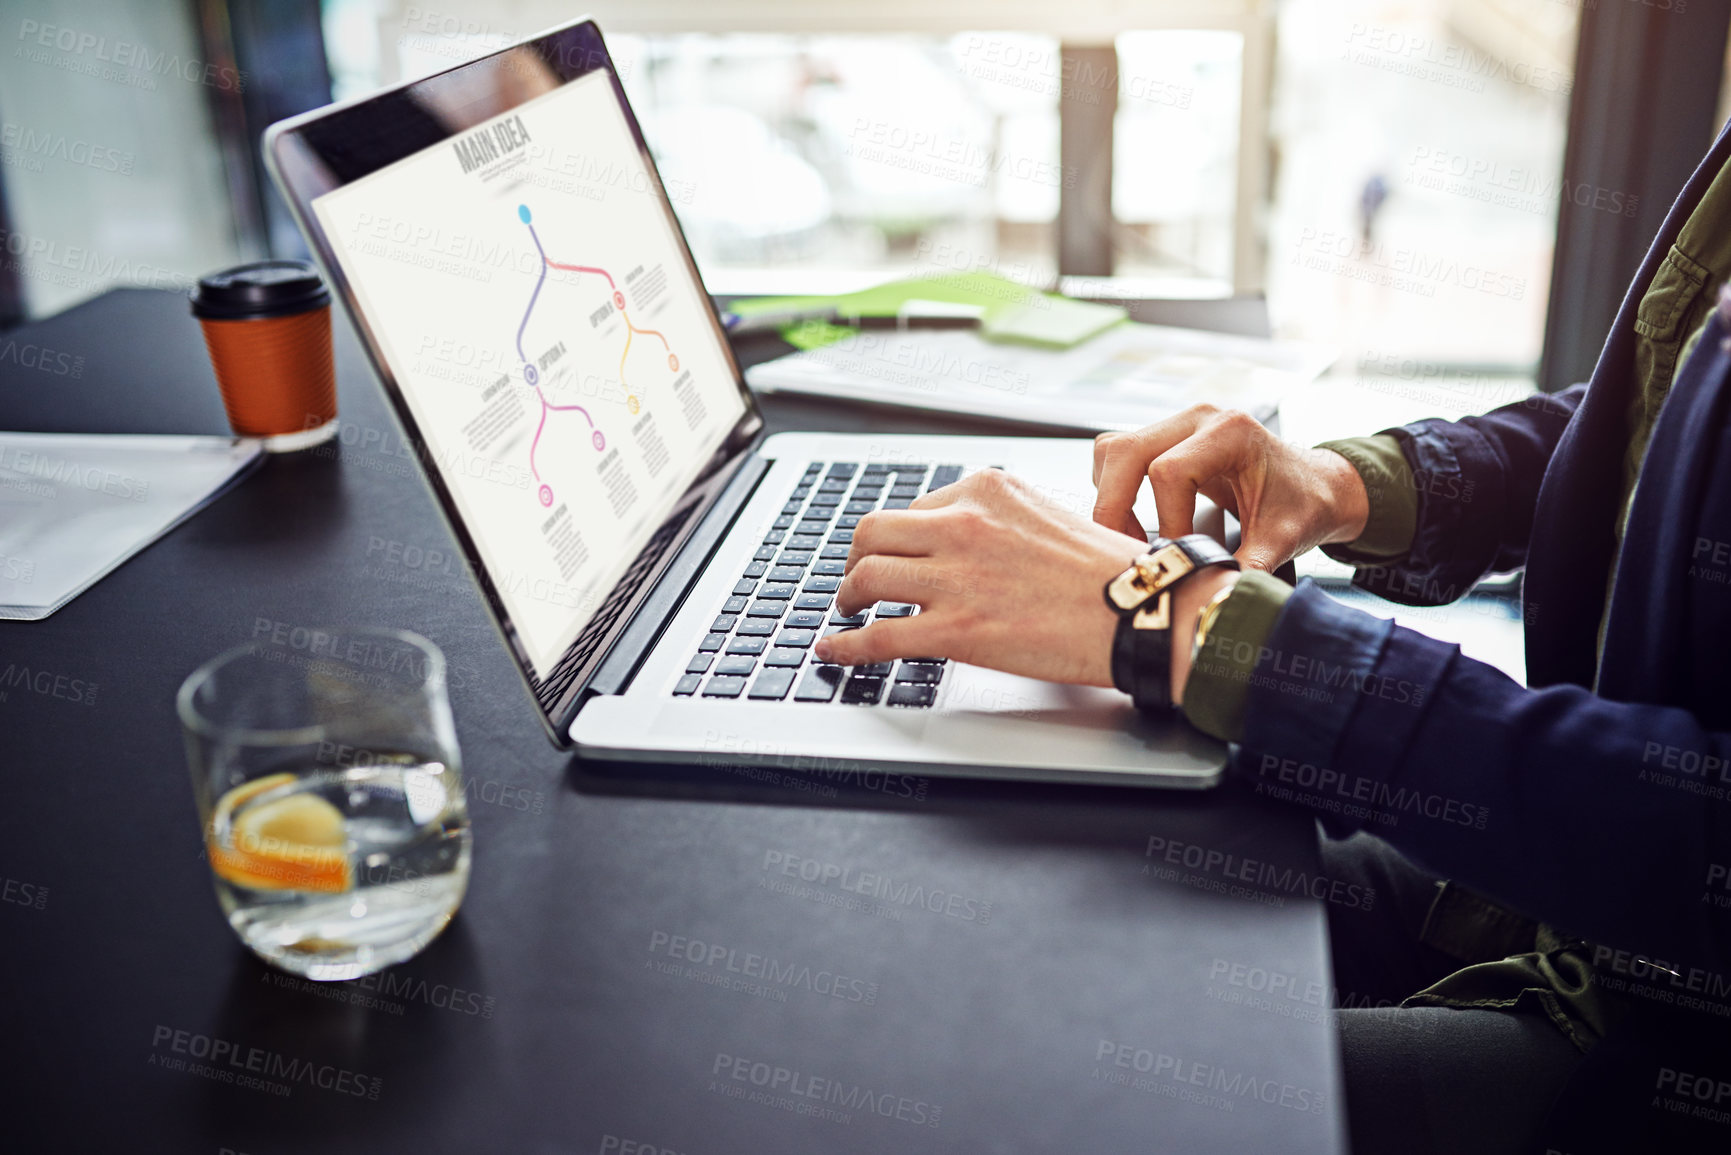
column 1219, row 683
column 1393, row 520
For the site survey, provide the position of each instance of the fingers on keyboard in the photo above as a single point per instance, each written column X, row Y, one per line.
column 786, row 592
column 820, row 684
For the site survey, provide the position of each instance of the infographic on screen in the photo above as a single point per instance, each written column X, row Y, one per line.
column 532, row 302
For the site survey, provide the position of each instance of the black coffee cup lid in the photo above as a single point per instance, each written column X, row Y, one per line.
column 261, row 289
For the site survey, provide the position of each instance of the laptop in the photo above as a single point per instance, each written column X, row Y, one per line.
column 657, row 566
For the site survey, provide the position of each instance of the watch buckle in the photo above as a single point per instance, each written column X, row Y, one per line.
column 1156, row 614
column 1147, row 576
column 1163, row 567
column 1127, row 591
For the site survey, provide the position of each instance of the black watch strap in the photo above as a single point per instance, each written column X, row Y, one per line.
column 1141, row 596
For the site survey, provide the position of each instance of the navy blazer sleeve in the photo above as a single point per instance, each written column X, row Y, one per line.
column 1478, row 483
column 1579, row 811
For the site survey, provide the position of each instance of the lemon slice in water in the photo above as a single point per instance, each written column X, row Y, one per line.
column 293, row 843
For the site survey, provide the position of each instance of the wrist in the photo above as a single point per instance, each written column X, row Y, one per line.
column 1150, row 599
column 1099, row 631
column 1189, row 600
column 1344, row 497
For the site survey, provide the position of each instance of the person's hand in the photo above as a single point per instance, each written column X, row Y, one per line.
column 1004, row 579
column 1288, row 499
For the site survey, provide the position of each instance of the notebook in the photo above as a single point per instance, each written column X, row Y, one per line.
column 73, row 506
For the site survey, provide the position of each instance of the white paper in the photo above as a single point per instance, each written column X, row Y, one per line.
column 74, row 506
column 1125, row 378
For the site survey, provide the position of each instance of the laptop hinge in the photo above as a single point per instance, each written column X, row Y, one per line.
column 623, row 658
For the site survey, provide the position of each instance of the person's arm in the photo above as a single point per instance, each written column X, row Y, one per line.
column 1407, row 511
column 1392, row 502
column 1474, row 485
column 1469, row 488
column 1213, row 693
column 1290, row 499
column 1374, row 725
column 1580, row 811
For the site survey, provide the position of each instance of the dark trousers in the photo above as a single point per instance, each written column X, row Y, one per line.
column 1427, row 1080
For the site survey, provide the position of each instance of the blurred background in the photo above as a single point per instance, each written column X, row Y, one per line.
column 1394, row 175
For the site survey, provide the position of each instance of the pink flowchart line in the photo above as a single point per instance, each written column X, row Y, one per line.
column 532, row 376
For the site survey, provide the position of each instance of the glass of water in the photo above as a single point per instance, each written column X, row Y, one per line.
column 328, row 781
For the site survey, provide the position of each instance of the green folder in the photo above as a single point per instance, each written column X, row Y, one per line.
column 1014, row 313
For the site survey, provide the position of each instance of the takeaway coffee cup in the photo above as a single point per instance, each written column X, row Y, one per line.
column 268, row 328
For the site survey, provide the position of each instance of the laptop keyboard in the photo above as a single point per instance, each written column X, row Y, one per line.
column 758, row 648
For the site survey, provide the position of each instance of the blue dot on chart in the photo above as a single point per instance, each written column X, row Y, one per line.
column 523, row 213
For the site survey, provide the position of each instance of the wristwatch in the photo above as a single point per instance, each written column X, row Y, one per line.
column 1141, row 596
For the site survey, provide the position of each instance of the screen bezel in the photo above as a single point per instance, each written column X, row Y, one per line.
column 321, row 151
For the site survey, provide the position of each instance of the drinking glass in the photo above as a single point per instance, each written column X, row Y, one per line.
column 328, row 781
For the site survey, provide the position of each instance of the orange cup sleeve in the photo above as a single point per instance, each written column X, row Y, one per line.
column 276, row 373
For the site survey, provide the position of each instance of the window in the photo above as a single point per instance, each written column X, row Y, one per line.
column 1420, row 147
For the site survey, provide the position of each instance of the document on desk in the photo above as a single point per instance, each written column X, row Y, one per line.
column 1128, row 376
column 73, row 506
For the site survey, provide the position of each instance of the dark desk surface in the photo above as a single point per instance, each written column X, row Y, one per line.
column 1037, row 983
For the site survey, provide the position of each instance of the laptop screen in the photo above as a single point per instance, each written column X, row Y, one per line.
column 525, row 283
